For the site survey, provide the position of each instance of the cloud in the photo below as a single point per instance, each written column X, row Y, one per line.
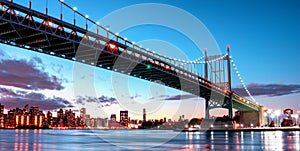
column 269, row 89
column 102, row 100
column 135, row 96
column 12, row 99
column 160, row 97
column 28, row 75
column 181, row 97
column 2, row 53
column 57, row 67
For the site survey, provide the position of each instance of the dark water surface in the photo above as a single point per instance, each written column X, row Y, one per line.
column 36, row 140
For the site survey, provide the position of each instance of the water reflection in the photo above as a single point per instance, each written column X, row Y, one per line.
column 25, row 141
column 269, row 140
column 37, row 140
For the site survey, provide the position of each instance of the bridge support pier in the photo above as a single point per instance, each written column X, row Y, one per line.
column 227, row 104
column 262, row 118
column 230, row 110
column 207, row 99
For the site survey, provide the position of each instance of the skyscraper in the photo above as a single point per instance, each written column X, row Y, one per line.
column 1, row 109
column 113, row 117
column 82, row 112
column 2, row 118
column 124, row 118
column 49, row 119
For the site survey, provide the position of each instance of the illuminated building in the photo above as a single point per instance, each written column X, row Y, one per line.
column 35, row 123
column 288, row 119
column 124, row 118
column 34, row 110
column 82, row 112
column 27, row 120
column 41, row 119
column 100, row 122
column 49, row 119
column 1, row 109
column 113, row 117
column 10, row 122
column 17, row 120
column 69, row 118
column 60, row 114
column 2, row 121
column 26, row 108
column 2, row 116
column 22, row 120
column 92, row 122
column 33, row 117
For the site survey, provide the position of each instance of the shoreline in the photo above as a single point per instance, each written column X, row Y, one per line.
column 245, row 129
column 179, row 130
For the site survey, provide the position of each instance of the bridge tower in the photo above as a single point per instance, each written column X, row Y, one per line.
column 215, row 71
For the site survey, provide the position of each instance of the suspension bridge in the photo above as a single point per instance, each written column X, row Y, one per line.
column 208, row 77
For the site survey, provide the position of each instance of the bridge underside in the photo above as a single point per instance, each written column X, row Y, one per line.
column 70, row 42
column 26, row 33
column 243, row 106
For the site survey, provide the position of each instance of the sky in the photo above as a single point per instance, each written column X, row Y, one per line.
column 264, row 39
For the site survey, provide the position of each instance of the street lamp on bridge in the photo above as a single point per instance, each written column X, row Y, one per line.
column 74, row 10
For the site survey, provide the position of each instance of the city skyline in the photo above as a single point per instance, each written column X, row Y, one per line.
column 31, row 117
column 52, row 86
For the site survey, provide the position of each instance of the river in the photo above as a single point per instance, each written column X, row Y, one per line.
column 77, row 140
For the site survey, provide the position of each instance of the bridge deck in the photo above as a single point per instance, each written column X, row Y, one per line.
column 36, row 31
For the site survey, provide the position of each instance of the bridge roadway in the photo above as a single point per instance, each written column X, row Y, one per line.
column 29, row 29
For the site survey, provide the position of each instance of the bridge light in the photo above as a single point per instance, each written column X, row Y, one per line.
column 148, row 66
column 49, row 23
column 61, row 0
column 112, row 46
column 86, row 16
column 75, row 8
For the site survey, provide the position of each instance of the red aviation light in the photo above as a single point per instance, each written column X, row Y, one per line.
column 112, row 47
column 228, row 47
column 167, row 67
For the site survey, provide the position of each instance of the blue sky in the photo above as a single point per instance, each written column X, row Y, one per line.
column 264, row 37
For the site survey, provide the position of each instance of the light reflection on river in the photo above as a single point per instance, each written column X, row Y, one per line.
column 36, row 140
